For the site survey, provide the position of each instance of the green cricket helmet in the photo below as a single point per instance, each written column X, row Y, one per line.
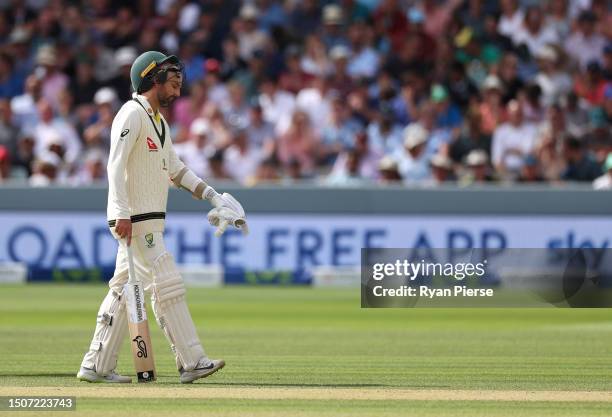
column 150, row 67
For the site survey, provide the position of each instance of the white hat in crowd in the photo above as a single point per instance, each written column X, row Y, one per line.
column 105, row 95
column 414, row 135
column 125, row 55
column 199, row 127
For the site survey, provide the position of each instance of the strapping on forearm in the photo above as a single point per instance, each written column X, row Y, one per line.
column 189, row 181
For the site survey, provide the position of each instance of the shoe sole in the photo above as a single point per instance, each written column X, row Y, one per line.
column 221, row 366
column 101, row 381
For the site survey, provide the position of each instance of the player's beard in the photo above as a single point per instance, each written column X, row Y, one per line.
column 165, row 101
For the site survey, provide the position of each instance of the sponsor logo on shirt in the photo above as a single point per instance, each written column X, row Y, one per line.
column 152, row 146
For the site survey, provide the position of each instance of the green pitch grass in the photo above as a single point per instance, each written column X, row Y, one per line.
column 321, row 353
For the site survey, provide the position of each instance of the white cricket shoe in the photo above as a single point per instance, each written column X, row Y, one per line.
column 89, row 375
column 202, row 370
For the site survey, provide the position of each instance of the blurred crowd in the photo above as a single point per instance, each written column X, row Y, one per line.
column 343, row 92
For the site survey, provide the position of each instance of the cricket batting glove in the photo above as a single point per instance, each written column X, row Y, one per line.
column 227, row 211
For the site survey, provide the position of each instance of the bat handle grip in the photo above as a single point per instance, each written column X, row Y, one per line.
column 131, row 269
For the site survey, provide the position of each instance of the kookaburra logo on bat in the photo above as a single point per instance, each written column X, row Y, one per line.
column 142, row 347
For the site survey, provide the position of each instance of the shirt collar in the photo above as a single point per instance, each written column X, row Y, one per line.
column 145, row 103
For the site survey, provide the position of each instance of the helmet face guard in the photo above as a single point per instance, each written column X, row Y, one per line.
column 158, row 74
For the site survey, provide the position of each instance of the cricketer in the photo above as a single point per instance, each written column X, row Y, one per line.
column 141, row 165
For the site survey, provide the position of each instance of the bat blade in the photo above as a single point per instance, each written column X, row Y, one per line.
column 140, row 338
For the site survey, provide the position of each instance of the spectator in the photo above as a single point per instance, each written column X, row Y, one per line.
column 348, row 175
column 339, row 78
column 260, row 132
column 97, row 135
column 121, row 83
column 45, row 170
column 607, row 62
column 531, row 99
column 217, row 166
column 236, row 109
column 512, row 141
column 232, row 60
column 250, row 38
column 581, row 166
column 585, row 45
column 298, row 143
column 50, row 127
column 338, row 132
column 192, row 59
column 277, row 105
column 605, row 112
column 272, row 15
column 384, row 135
column 53, row 81
column 368, row 158
column 576, row 113
column 478, row 168
column 491, row 110
column 93, row 170
column 365, row 60
column 461, row 89
column 438, row 138
column 605, row 181
column 508, row 73
column 558, row 17
column 333, row 21
column 591, row 85
column 438, row 15
column 84, row 86
column 220, row 134
column 305, row 17
column 405, row 104
column 316, row 102
column 5, row 164
column 215, row 89
column 406, row 59
column 293, row 78
column 187, row 109
column 390, row 22
column 241, row 158
column 22, row 161
column 412, row 160
column 494, row 43
column 11, row 82
column 388, row 171
column 24, row 105
column 530, row 170
column 9, row 131
column 441, row 169
column 512, row 17
column 314, row 61
column 196, row 149
column 471, row 138
column 553, row 82
column 448, row 114
column 551, row 135
column 267, row 171
column 534, row 33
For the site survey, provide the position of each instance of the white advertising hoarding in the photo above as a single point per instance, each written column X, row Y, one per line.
column 288, row 242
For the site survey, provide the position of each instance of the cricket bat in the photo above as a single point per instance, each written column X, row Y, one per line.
column 140, row 338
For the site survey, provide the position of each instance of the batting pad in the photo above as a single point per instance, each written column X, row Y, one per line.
column 111, row 329
column 172, row 314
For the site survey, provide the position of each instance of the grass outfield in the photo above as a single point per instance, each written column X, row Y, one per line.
column 314, row 352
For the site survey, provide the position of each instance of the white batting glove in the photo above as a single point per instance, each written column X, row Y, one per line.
column 227, row 211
